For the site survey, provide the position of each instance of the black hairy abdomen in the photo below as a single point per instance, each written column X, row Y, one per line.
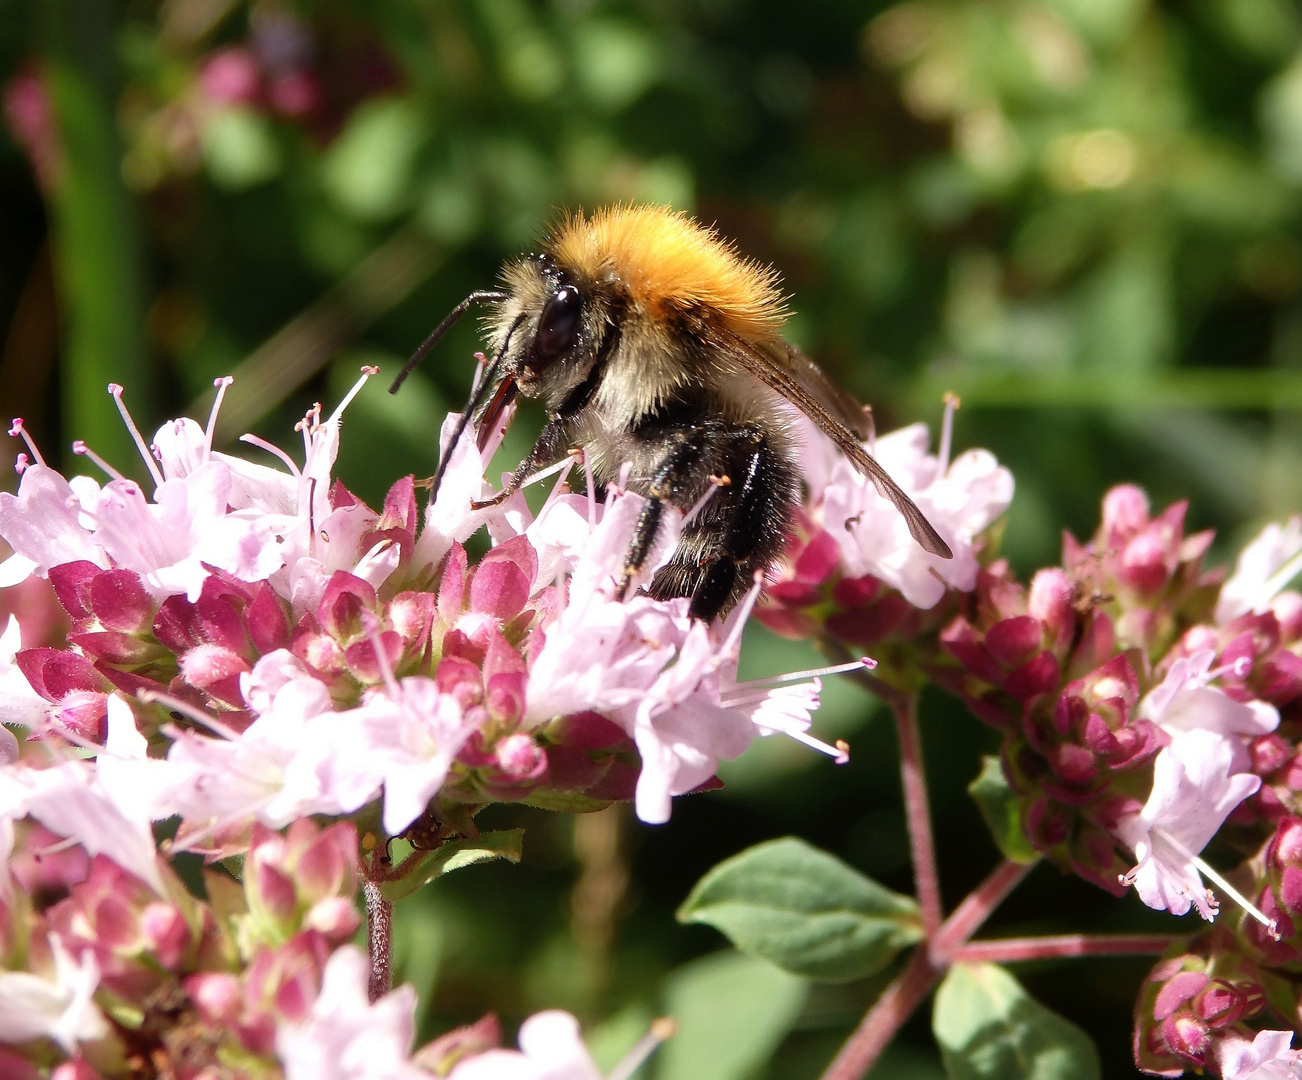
column 742, row 527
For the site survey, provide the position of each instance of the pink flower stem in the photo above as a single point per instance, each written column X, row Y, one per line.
column 924, row 969
column 1011, row 950
column 379, row 925
column 922, row 846
column 913, row 780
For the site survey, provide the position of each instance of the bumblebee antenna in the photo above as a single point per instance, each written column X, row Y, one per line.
column 484, row 296
column 477, row 394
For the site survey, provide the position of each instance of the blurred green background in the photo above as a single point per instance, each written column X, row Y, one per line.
column 1080, row 215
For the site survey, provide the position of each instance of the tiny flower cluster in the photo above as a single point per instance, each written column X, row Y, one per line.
column 252, row 647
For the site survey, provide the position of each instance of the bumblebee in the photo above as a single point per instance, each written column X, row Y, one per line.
column 653, row 344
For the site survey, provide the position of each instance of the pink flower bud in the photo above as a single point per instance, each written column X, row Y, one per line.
column 519, row 757
column 218, row 997
column 1144, row 563
column 120, row 601
column 342, row 604
column 327, row 867
column 167, row 934
column 231, row 77
column 1287, row 608
column 335, row 917
column 295, row 94
column 1125, row 512
column 1050, row 600
column 267, row 623
column 1014, row 641
column 820, row 557
column 499, row 589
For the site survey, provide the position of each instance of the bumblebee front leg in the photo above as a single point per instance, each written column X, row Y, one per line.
column 672, row 473
column 548, row 450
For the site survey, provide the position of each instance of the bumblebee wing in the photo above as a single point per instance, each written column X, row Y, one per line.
column 841, row 405
column 793, row 383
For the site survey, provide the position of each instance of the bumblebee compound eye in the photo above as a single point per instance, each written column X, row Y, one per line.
column 559, row 325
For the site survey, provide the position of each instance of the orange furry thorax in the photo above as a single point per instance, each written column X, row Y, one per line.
column 669, row 263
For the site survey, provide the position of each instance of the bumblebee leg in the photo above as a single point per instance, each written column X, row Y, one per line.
column 548, row 450
column 674, row 469
column 757, row 513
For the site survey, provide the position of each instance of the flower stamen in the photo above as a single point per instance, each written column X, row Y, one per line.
column 80, row 447
column 18, row 431
column 666, row 1027
column 175, row 704
column 272, row 448
column 116, row 391
column 947, row 433
column 221, row 385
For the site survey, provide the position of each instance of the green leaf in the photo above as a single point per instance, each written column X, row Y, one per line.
column 368, row 170
column 804, row 910
column 999, row 805
column 989, row 1028
column 240, row 149
column 507, row 845
column 732, row 1013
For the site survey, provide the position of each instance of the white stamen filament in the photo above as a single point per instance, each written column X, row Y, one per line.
column 367, row 372
column 271, row 448
column 732, row 643
column 116, row 391
column 1225, row 886
column 755, row 696
column 55, row 848
column 221, row 385
column 947, row 433
column 592, row 489
column 175, row 704
column 80, row 447
column 186, row 841
column 18, row 431
column 564, row 465
column 372, row 627
column 840, row 753
column 664, row 1028
column 864, row 662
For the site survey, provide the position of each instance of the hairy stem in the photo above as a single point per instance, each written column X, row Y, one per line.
column 913, row 780
column 922, row 846
column 928, row 963
column 379, row 937
column 1011, row 950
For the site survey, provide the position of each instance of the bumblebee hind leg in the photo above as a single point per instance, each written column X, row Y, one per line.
column 739, row 531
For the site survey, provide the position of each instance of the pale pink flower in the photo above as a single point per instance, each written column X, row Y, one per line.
column 19, row 703
column 345, row 1036
column 1195, row 788
column 1264, row 567
column 42, row 524
column 169, row 541
column 960, row 498
column 1267, row 1057
column 450, row 518
column 410, row 733
column 603, row 653
column 282, row 766
column 68, row 799
column 550, row 1049
column 1184, row 702
column 32, row 1007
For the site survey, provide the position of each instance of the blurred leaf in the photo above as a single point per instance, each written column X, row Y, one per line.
column 732, row 1013
column 368, row 169
column 507, row 844
column 610, row 1040
column 240, row 150
column 998, row 804
column 804, row 910
column 989, row 1028
column 615, row 61
column 98, row 259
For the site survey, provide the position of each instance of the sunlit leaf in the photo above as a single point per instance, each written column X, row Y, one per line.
column 804, row 910
column 507, row 844
column 989, row 1028
column 732, row 1013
